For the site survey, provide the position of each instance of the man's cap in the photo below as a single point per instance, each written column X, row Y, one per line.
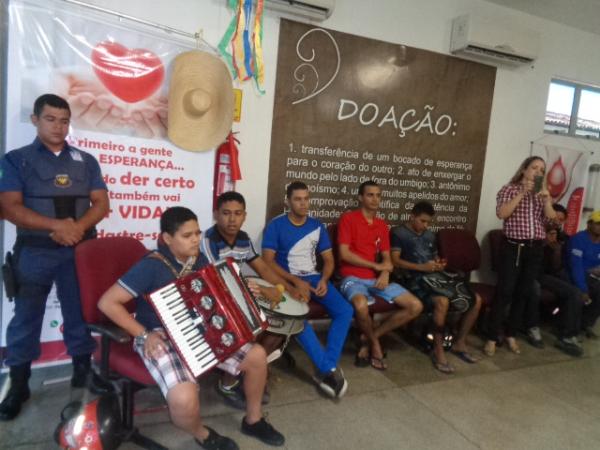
column 595, row 217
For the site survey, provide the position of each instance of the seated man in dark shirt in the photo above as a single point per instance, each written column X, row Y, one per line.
column 414, row 250
column 555, row 278
column 178, row 257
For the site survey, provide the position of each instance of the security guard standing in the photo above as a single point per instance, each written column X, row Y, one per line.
column 55, row 196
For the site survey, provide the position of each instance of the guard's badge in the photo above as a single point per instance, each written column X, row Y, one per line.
column 62, row 181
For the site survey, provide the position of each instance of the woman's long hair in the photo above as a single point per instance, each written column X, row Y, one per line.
column 518, row 176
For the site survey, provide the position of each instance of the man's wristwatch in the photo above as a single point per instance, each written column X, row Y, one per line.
column 141, row 338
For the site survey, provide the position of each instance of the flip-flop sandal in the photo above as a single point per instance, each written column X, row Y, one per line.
column 362, row 361
column 442, row 367
column 378, row 363
column 465, row 356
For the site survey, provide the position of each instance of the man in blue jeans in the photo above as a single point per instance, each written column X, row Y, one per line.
column 291, row 243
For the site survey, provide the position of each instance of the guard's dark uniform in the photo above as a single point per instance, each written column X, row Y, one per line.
column 58, row 187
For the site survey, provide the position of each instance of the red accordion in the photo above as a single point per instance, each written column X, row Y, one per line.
column 208, row 315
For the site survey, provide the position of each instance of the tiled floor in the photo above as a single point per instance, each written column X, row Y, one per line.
column 541, row 399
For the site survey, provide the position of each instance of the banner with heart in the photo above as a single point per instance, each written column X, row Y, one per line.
column 130, row 74
column 114, row 75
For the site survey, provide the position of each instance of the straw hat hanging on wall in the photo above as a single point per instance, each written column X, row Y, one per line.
column 201, row 101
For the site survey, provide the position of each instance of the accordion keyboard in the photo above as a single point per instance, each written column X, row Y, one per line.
column 185, row 328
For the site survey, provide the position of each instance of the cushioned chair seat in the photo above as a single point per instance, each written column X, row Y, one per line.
column 486, row 292
column 461, row 249
column 318, row 311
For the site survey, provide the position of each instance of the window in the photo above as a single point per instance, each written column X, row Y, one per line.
column 573, row 109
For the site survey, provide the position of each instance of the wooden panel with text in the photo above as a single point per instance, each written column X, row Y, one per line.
column 348, row 109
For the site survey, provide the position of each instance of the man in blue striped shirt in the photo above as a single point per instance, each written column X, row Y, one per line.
column 226, row 239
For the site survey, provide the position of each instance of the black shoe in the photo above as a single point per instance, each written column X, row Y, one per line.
column 214, row 441
column 263, row 431
column 570, row 346
column 11, row 405
column 81, row 370
column 333, row 383
column 85, row 377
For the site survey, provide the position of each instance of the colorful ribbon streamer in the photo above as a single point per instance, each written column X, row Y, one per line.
column 246, row 59
column 226, row 39
column 259, row 66
column 247, row 48
column 238, row 43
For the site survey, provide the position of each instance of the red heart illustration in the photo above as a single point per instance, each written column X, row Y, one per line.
column 131, row 75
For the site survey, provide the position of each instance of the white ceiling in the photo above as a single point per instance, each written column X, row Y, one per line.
column 581, row 14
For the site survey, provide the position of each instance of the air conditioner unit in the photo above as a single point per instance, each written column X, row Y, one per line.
column 490, row 41
column 311, row 9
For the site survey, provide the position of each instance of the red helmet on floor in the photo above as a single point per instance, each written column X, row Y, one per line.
column 95, row 425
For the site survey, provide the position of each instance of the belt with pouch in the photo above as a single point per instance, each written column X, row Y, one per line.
column 526, row 242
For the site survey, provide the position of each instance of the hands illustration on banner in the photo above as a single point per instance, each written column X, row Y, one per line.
column 121, row 95
column 93, row 107
column 151, row 120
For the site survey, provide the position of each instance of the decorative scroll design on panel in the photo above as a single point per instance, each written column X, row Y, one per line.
column 307, row 67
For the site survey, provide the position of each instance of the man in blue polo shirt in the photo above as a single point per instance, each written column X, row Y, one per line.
column 291, row 244
column 55, row 195
column 179, row 256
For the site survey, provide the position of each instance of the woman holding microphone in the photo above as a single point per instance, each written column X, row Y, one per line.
column 525, row 205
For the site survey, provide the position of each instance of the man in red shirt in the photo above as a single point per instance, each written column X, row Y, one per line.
column 364, row 248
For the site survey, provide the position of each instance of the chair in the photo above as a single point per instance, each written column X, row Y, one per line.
column 495, row 239
column 100, row 263
column 461, row 249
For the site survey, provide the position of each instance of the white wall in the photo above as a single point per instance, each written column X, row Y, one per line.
column 519, row 97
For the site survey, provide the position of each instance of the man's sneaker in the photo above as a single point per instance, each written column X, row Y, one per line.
column 333, row 383
column 570, row 346
column 534, row 337
column 214, row 441
column 263, row 431
column 233, row 395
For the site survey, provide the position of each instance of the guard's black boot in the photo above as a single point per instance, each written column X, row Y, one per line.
column 18, row 392
column 84, row 376
column 81, row 370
